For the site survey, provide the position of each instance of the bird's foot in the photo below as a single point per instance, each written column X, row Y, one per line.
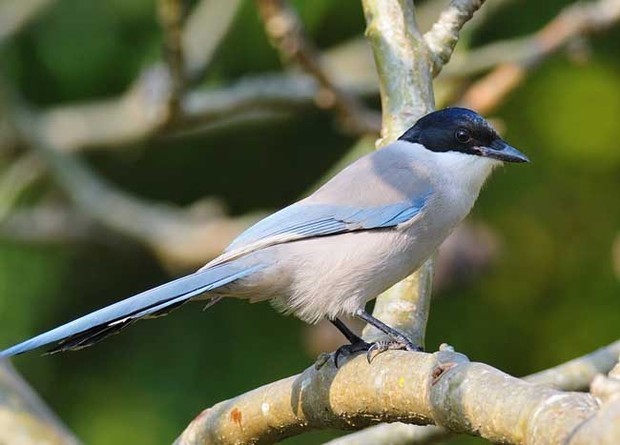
column 351, row 348
column 400, row 344
column 374, row 349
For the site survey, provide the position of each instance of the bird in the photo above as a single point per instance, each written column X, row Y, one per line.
column 328, row 254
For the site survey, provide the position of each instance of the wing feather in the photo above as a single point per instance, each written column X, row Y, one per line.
column 307, row 220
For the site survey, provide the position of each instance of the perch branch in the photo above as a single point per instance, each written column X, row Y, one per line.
column 442, row 388
column 574, row 375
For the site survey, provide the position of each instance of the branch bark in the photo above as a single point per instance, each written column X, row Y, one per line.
column 442, row 388
column 443, row 36
column 405, row 82
column 575, row 375
column 406, row 63
column 286, row 32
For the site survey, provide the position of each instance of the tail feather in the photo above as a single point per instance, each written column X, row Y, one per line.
column 109, row 320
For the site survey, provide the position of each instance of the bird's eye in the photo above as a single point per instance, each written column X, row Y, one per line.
column 462, row 135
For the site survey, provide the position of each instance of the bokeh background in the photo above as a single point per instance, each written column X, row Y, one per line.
column 547, row 289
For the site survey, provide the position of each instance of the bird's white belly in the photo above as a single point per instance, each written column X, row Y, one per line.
column 322, row 279
column 336, row 275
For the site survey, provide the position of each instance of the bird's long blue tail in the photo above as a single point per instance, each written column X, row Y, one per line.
column 97, row 325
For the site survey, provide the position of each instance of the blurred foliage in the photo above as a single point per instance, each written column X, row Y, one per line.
column 556, row 217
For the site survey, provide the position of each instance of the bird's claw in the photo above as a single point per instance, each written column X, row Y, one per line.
column 374, row 349
column 351, row 348
column 401, row 344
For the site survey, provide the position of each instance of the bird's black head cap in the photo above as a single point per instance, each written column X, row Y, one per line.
column 461, row 130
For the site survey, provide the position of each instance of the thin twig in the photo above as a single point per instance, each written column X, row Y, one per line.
column 285, row 30
column 577, row 374
column 171, row 16
column 177, row 235
column 443, row 36
column 52, row 224
column 17, row 178
column 204, row 31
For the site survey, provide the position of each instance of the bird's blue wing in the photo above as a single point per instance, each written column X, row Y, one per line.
column 307, row 220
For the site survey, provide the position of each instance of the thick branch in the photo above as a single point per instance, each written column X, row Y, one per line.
column 442, row 388
column 402, row 60
column 443, row 36
column 405, row 82
column 574, row 375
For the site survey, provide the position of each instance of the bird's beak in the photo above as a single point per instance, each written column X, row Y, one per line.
column 501, row 151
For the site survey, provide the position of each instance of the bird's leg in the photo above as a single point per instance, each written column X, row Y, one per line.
column 398, row 339
column 357, row 343
column 344, row 329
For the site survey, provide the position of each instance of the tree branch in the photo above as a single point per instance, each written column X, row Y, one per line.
column 442, row 388
column 171, row 16
column 286, row 33
column 24, row 418
column 203, row 31
column 144, row 109
column 443, row 36
column 17, row 178
column 402, row 59
column 51, row 224
column 574, row 375
column 577, row 374
column 178, row 236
